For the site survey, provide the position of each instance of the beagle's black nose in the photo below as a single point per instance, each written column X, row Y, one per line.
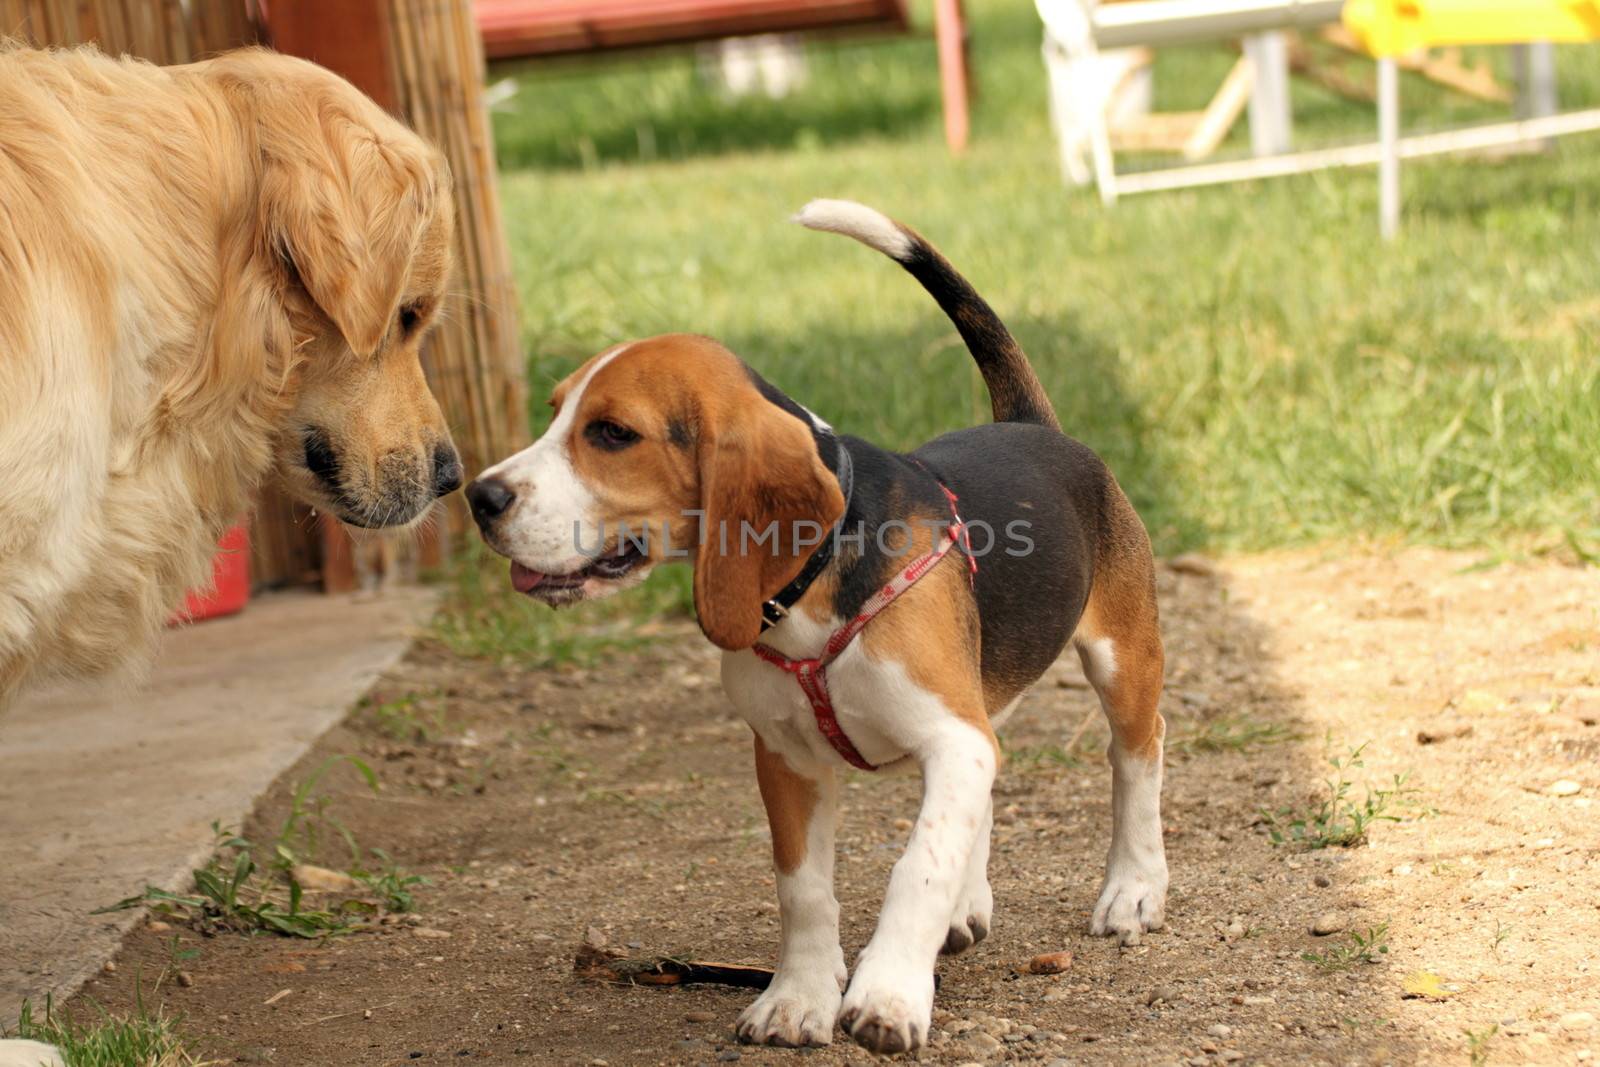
column 447, row 472
column 489, row 498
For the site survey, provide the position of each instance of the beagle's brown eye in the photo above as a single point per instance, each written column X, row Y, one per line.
column 611, row 436
column 410, row 315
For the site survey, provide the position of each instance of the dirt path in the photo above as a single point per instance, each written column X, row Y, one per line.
column 621, row 798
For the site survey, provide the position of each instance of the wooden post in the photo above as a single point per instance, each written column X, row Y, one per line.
column 423, row 61
column 474, row 360
column 338, row 557
column 950, row 29
column 350, row 38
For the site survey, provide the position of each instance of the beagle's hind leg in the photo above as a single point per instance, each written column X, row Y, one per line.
column 1119, row 642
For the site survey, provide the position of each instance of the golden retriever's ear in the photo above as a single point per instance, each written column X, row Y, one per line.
column 767, row 501
column 348, row 212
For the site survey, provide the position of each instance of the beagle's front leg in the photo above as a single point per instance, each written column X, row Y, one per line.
column 889, row 1004
column 801, row 1004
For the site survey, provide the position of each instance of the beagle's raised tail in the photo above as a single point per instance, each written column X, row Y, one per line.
column 1014, row 388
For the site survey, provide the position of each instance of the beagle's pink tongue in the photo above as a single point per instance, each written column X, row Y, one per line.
column 524, row 579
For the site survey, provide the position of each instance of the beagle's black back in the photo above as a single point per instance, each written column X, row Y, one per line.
column 1036, row 499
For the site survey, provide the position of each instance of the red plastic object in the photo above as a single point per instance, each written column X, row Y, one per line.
column 231, row 575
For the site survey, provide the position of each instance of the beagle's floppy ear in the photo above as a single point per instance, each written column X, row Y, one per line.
column 760, row 478
column 346, row 210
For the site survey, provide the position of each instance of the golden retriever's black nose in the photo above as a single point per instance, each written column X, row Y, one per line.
column 489, row 498
column 447, row 472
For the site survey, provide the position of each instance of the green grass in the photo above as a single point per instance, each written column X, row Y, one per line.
column 231, row 894
column 234, row 892
column 140, row 1039
column 1034, row 757
column 1231, row 733
column 1256, row 367
column 482, row 617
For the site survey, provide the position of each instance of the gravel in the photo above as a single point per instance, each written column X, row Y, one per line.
column 1329, row 922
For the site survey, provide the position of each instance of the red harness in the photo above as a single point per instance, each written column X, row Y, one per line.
column 812, row 674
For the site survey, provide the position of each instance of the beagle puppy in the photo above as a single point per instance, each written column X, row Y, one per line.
column 876, row 609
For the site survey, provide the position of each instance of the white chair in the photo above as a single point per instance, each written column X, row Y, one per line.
column 1080, row 34
column 1085, row 53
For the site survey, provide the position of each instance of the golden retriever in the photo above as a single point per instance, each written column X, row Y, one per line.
column 208, row 274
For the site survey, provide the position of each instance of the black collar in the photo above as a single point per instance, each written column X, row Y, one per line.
column 774, row 610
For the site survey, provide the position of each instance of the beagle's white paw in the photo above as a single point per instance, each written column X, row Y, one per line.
column 29, row 1054
column 797, row 1013
column 888, row 1007
column 1131, row 903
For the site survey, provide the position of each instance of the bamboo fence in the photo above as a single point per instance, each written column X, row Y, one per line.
column 474, row 356
column 435, row 71
column 162, row 31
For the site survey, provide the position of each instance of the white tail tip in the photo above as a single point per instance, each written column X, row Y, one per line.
column 872, row 228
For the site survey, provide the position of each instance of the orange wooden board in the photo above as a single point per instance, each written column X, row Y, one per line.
column 514, row 28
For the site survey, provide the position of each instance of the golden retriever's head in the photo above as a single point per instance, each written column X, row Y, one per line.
column 663, row 449
column 355, row 215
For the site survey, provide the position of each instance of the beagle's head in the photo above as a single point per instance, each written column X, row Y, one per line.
column 662, row 449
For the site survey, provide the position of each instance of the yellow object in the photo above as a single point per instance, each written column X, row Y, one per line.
column 1396, row 27
column 1425, row 985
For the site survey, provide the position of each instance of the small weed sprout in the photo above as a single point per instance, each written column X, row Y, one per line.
column 410, row 719
column 1501, row 933
column 389, row 884
column 177, row 954
column 1358, row 947
column 310, row 816
column 1356, row 1026
column 1478, row 1044
column 1337, row 819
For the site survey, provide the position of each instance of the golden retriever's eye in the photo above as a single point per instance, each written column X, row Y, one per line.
column 410, row 316
column 611, row 436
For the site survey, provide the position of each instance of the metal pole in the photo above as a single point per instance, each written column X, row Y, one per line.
column 1269, row 93
column 1535, row 69
column 1389, row 142
column 1473, row 139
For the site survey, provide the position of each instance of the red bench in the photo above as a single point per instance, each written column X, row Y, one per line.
column 519, row 28
column 537, row 28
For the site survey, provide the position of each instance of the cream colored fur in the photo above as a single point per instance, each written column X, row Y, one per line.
column 198, row 266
